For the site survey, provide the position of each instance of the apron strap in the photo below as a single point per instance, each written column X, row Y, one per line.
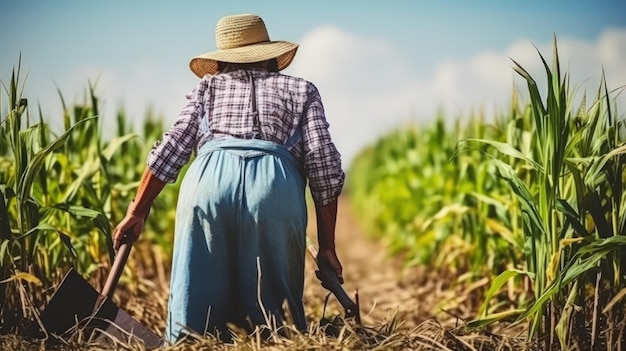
column 256, row 126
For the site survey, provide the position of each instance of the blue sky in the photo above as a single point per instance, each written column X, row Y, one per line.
column 378, row 64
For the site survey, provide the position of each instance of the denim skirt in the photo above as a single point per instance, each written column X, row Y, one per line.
column 239, row 246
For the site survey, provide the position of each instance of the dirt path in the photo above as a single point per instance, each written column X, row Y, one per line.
column 385, row 286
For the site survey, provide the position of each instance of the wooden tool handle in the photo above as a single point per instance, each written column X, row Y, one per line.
column 118, row 266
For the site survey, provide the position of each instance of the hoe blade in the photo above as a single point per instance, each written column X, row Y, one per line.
column 74, row 307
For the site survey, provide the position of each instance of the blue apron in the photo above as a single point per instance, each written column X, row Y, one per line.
column 239, row 246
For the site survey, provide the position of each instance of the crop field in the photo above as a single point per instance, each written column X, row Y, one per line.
column 466, row 234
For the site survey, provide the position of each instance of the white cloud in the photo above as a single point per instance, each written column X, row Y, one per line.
column 73, row 87
column 367, row 88
column 362, row 83
column 136, row 89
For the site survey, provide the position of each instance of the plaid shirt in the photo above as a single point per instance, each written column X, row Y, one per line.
column 221, row 107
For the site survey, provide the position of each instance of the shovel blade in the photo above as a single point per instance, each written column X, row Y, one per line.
column 72, row 309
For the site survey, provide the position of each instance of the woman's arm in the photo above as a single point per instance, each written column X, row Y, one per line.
column 164, row 162
column 322, row 163
column 132, row 224
column 327, row 256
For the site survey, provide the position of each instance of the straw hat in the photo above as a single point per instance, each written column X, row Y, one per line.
column 243, row 39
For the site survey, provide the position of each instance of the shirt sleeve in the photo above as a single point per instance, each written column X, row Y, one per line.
column 173, row 151
column 322, row 161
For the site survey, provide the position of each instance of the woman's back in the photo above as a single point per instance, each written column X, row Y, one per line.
column 280, row 101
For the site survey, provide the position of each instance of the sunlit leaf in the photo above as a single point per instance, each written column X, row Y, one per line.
column 23, row 276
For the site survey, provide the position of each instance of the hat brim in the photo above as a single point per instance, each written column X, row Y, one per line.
column 282, row 51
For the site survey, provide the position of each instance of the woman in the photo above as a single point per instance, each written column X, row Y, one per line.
column 240, row 230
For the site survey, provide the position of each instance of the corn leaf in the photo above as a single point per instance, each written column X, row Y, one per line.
column 497, row 284
column 115, row 144
column 23, row 276
column 508, row 150
column 34, row 167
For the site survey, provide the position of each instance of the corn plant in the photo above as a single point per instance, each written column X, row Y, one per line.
column 571, row 198
column 437, row 205
column 54, row 201
column 21, row 213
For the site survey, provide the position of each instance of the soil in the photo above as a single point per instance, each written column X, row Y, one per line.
column 386, row 287
column 421, row 303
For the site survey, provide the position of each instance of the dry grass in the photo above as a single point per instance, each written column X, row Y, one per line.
column 417, row 308
column 417, row 320
column 430, row 335
column 385, row 329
